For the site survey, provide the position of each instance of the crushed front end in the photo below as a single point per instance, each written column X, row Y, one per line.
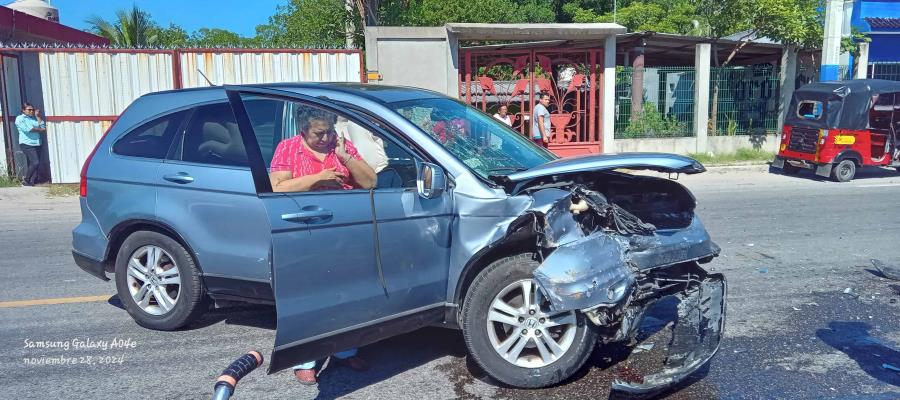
column 614, row 253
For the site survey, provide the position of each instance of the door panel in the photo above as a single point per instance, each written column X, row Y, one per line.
column 331, row 291
column 206, row 193
column 414, row 241
column 325, row 274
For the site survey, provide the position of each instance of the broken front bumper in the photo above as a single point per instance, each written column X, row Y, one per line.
column 693, row 335
column 614, row 279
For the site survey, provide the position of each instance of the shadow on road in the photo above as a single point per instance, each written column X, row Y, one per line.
column 853, row 339
column 861, row 174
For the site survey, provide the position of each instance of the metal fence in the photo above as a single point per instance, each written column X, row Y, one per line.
column 744, row 100
column 668, row 103
column 884, row 70
column 84, row 90
column 810, row 73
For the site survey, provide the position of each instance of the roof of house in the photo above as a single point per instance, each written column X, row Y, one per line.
column 883, row 23
column 22, row 27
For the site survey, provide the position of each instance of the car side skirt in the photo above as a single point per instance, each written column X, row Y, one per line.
column 324, row 345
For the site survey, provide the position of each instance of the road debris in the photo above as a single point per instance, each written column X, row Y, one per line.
column 643, row 347
column 888, row 271
column 890, row 367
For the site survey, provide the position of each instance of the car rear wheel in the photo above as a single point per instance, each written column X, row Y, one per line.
column 158, row 282
column 844, row 171
column 512, row 333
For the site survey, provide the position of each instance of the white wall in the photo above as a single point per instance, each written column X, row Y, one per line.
column 424, row 57
column 714, row 144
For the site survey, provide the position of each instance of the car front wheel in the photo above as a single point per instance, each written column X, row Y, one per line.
column 158, row 282
column 512, row 333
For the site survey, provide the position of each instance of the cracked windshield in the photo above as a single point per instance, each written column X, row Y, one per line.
column 481, row 142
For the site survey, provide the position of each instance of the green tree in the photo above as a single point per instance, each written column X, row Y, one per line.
column 131, row 28
column 791, row 22
column 325, row 22
column 171, row 36
column 674, row 16
column 215, row 37
column 310, row 23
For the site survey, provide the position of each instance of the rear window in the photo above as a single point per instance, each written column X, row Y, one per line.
column 150, row 140
column 808, row 109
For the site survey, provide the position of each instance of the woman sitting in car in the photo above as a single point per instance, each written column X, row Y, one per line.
column 317, row 159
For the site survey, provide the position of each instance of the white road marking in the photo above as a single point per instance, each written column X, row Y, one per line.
column 879, row 185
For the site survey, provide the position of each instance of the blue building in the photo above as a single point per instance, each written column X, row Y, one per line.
column 880, row 20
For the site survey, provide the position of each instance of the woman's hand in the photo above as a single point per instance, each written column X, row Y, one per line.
column 341, row 152
column 331, row 175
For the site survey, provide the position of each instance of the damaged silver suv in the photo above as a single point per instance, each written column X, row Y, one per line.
column 454, row 220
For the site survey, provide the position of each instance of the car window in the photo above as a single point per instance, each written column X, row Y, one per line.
column 212, row 137
column 880, row 114
column 152, row 139
column 266, row 116
column 300, row 141
column 487, row 146
column 808, row 109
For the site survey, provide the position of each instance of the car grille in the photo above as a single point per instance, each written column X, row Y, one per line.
column 803, row 140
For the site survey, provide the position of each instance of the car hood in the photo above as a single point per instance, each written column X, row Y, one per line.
column 562, row 167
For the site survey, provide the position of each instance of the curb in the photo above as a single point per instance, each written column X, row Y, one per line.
column 745, row 167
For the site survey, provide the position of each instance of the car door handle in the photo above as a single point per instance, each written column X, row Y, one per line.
column 308, row 215
column 181, row 177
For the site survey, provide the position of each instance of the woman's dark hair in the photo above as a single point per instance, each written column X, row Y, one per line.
column 26, row 105
column 306, row 114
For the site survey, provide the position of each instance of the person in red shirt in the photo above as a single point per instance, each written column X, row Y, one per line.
column 317, row 159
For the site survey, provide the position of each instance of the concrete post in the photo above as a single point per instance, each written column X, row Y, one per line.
column 831, row 46
column 702, row 53
column 862, row 62
column 787, row 82
column 609, row 95
column 637, row 82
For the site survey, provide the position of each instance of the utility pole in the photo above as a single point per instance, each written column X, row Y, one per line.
column 837, row 20
column 350, row 28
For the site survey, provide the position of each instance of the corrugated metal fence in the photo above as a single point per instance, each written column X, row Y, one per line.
column 85, row 89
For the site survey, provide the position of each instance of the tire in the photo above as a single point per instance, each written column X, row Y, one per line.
column 844, row 171
column 175, row 264
column 575, row 340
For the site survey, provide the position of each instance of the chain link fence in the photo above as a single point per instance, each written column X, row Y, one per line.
column 744, row 100
column 668, row 103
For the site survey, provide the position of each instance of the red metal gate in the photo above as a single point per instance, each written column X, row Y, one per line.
column 490, row 78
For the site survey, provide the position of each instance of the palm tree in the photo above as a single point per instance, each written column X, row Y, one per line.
column 130, row 29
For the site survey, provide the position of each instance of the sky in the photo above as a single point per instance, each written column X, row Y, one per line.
column 241, row 16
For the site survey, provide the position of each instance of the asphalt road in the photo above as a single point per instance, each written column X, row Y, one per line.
column 791, row 248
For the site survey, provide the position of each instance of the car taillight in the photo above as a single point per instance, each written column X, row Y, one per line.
column 82, row 185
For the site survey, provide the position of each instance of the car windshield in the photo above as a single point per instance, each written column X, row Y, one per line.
column 486, row 145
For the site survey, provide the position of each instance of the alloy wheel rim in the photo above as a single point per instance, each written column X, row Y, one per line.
column 154, row 280
column 522, row 329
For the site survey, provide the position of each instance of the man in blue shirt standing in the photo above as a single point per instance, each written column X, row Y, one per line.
column 540, row 125
column 30, row 126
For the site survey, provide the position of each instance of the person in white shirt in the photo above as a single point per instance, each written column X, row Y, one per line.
column 369, row 146
column 503, row 116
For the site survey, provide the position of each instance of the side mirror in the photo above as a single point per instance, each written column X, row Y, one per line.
column 431, row 180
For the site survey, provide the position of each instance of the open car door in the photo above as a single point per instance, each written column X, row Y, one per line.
column 331, row 293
